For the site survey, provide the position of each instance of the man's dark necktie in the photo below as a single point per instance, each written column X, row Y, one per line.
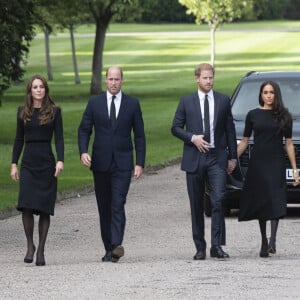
column 206, row 120
column 112, row 113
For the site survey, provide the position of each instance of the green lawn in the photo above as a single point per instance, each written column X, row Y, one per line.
column 158, row 69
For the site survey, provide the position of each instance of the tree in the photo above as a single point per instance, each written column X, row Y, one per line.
column 46, row 21
column 102, row 12
column 293, row 10
column 68, row 14
column 16, row 30
column 215, row 13
column 270, row 9
column 163, row 11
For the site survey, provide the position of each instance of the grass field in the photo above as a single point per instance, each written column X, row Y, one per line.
column 158, row 69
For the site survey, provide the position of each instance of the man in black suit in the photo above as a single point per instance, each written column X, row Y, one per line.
column 208, row 153
column 113, row 116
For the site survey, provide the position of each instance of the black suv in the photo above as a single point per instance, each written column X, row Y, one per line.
column 245, row 98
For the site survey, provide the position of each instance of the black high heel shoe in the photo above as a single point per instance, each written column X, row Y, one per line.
column 264, row 250
column 27, row 259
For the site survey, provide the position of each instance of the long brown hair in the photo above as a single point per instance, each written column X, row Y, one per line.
column 281, row 114
column 47, row 109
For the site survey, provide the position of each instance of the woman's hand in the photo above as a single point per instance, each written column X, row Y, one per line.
column 59, row 168
column 14, row 174
column 296, row 178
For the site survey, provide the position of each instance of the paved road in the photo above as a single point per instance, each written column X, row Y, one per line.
column 158, row 260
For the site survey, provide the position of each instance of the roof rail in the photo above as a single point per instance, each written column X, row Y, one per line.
column 249, row 73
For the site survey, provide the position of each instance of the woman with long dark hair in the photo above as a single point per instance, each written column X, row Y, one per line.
column 264, row 192
column 37, row 120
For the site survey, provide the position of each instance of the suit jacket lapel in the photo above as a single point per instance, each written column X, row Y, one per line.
column 216, row 109
column 197, row 110
column 123, row 107
column 103, row 106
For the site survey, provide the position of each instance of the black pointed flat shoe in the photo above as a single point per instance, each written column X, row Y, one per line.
column 264, row 250
column 40, row 260
column 272, row 250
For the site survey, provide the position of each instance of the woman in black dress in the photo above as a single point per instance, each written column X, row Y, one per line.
column 264, row 192
column 37, row 120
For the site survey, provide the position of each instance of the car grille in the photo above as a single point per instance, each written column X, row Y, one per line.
column 244, row 158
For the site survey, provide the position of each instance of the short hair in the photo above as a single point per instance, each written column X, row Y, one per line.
column 121, row 71
column 202, row 67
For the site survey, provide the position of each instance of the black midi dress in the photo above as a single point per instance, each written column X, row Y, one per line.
column 38, row 185
column 264, row 192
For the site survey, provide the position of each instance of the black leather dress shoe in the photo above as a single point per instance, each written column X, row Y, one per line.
column 107, row 256
column 217, row 252
column 200, row 255
column 117, row 253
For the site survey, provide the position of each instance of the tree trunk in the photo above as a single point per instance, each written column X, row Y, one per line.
column 96, row 84
column 212, row 45
column 77, row 79
column 47, row 49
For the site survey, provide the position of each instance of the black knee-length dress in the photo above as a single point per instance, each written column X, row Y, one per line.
column 38, row 186
column 264, row 191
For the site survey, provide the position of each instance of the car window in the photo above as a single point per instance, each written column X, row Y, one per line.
column 247, row 96
column 246, row 99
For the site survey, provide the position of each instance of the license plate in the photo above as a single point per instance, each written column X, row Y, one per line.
column 290, row 174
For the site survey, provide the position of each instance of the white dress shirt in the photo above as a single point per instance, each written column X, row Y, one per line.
column 117, row 102
column 211, row 113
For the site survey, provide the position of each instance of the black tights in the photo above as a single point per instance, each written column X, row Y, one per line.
column 263, row 231
column 274, row 227
column 28, row 223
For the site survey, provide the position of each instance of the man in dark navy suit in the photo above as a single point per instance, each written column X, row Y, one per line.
column 203, row 121
column 113, row 116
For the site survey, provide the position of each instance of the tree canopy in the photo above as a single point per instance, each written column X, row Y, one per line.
column 215, row 13
column 18, row 18
column 16, row 30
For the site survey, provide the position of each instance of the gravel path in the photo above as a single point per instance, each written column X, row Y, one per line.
column 158, row 253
